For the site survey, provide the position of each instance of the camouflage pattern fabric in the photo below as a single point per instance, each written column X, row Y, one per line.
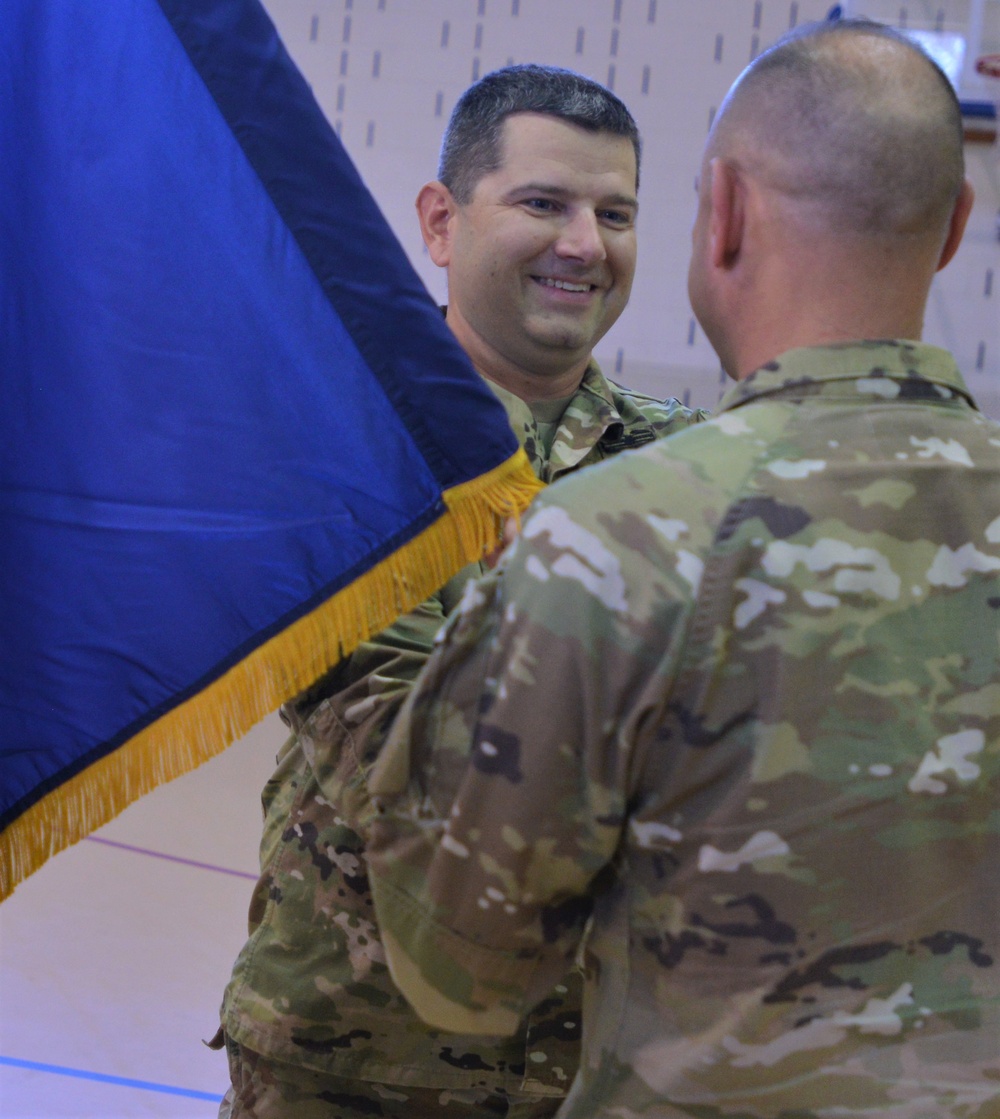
column 736, row 699
column 262, row 1089
column 311, row 987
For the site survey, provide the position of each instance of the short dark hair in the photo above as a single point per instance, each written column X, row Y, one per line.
column 472, row 145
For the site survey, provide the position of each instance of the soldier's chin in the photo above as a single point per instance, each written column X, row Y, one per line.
column 572, row 337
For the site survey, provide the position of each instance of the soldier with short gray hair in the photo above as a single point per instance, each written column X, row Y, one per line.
column 734, row 699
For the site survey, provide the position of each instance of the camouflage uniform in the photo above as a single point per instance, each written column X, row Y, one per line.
column 310, row 990
column 736, row 697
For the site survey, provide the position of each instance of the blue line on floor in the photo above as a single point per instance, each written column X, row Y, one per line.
column 121, row 1081
column 170, row 858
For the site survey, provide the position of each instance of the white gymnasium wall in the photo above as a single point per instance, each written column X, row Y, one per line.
column 387, row 73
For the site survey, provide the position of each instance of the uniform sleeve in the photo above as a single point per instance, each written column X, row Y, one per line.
column 342, row 721
column 501, row 794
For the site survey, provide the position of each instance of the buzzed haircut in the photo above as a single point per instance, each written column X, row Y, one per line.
column 877, row 145
column 473, row 140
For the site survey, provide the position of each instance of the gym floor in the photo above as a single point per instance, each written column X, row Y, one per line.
column 114, row 956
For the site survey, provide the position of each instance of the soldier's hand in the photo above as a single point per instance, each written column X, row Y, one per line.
column 510, row 530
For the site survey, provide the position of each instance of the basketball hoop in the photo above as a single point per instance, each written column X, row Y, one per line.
column 988, row 65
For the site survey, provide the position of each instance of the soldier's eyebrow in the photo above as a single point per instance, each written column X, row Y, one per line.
column 628, row 200
column 562, row 194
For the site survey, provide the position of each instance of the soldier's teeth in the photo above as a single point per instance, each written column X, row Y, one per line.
column 564, row 285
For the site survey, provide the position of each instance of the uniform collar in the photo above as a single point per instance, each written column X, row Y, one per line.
column 594, row 397
column 894, row 369
column 591, row 417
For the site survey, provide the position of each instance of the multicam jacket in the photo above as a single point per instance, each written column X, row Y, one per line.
column 736, row 698
column 311, row 986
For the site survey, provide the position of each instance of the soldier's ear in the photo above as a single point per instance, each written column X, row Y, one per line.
column 956, row 227
column 436, row 207
column 728, row 214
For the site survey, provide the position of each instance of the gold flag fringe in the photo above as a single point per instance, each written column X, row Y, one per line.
column 204, row 725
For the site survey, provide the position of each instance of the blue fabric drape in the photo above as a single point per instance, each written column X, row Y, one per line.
column 224, row 392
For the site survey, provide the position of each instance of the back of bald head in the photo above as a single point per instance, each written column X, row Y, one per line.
column 854, row 126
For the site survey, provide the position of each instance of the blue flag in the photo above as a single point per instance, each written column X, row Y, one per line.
column 237, row 435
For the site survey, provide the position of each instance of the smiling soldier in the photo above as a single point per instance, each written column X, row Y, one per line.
column 534, row 217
